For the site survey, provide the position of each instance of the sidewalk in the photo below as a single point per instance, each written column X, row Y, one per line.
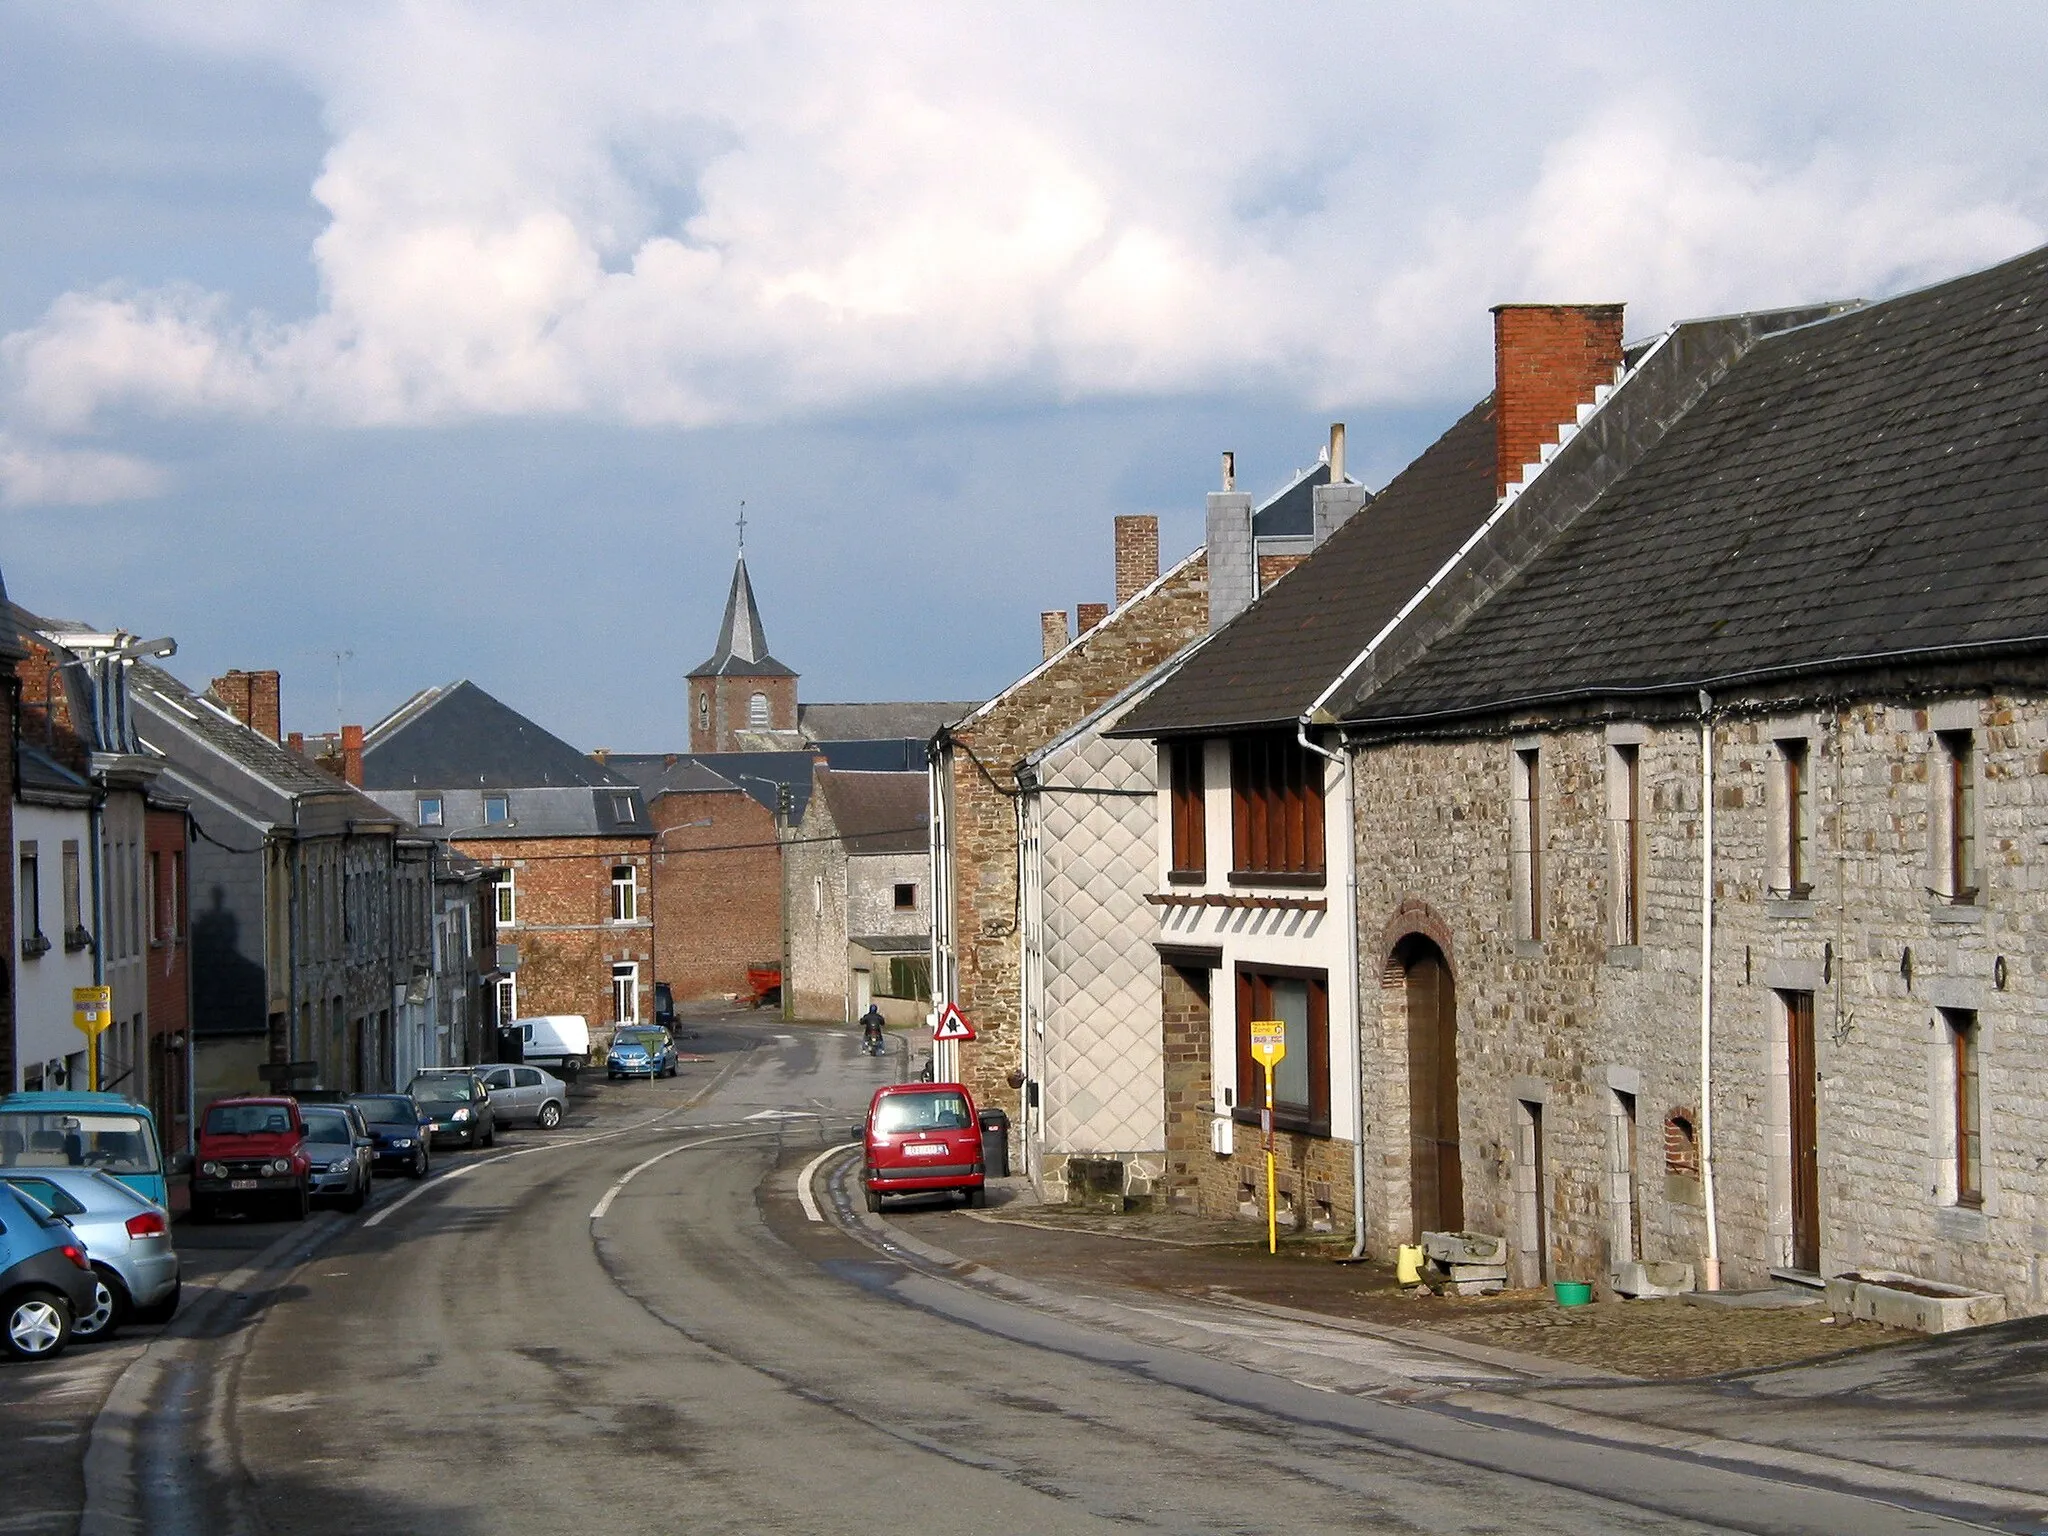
column 1952, row 1424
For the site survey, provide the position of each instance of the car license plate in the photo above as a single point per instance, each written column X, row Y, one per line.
column 925, row 1150
column 241, row 1183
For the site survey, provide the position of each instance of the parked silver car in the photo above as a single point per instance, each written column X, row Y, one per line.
column 339, row 1149
column 126, row 1236
column 527, row 1096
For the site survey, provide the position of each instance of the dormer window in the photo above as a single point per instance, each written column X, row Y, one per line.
column 622, row 807
column 429, row 811
column 497, row 810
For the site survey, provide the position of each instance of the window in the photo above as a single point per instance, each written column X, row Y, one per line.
column 757, row 711
column 906, row 896
column 1189, row 812
column 508, row 999
column 622, row 807
column 29, row 919
column 1276, row 807
column 1795, row 818
column 625, row 894
column 1525, row 854
column 429, row 811
column 497, row 810
column 626, row 993
column 74, row 914
column 1301, row 1082
column 156, row 899
column 1956, row 818
column 1965, row 1107
column 1624, row 823
column 506, row 899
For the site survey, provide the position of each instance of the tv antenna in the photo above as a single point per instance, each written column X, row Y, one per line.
column 339, row 658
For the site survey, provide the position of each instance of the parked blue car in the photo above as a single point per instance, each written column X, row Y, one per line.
column 45, row 1279
column 640, row 1050
column 85, row 1130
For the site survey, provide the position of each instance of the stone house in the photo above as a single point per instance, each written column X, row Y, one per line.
column 1698, row 817
column 858, row 866
column 295, row 962
column 977, row 911
column 570, row 839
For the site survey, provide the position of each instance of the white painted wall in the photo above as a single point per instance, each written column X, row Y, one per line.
column 43, row 985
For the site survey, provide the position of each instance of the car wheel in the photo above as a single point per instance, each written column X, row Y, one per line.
column 38, row 1325
column 105, row 1316
column 355, row 1198
column 302, row 1204
column 418, row 1170
column 874, row 1203
column 201, row 1212
column 550, row 1115
column 161, row 1311
column 977, row 1199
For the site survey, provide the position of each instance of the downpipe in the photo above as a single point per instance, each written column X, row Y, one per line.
column 1713, row 1254
column 1351, row 984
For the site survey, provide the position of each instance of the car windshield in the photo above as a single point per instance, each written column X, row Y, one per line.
column 389, row 1111
column 442, row 1090
column 248, row 1120
column 648, row 1039
column 327, row 1129
column 60, row 1139
column 922, row 1112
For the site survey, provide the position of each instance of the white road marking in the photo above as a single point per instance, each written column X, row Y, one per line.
column 784, row 1114
column 803, row 1181
column 605, row 1204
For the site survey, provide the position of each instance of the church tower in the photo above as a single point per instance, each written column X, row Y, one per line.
column 741, row 688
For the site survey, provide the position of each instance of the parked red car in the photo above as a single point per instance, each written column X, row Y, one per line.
column 252, row 1152
column 923, row 1138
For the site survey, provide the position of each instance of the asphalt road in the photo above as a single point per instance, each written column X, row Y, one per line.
column 632, row 1325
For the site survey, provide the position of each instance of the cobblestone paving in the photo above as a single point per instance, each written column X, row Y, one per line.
column 1179, row 1255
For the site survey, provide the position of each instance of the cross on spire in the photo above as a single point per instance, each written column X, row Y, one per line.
column 743, row 527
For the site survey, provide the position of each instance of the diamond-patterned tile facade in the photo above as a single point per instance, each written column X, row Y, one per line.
column 1104, row 1077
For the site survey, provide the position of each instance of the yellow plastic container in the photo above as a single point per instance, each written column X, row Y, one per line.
column 1408, row 1264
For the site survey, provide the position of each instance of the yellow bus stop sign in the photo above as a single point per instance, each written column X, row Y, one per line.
column 1269, row 1045
column 92, row 1009
column 1269, row 1042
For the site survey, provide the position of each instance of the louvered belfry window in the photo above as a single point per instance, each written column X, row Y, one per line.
column 1276, row 809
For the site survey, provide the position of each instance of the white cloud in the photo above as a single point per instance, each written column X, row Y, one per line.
column 745, row 212
column 37, row 475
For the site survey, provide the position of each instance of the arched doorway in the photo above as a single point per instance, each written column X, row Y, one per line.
column 1436, row 1179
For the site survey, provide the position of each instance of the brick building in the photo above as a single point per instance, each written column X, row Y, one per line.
column 1800, row 636
column 570, row 839
column 977, row 911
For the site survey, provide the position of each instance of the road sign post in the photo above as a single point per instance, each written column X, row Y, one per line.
column 1269, row 1045
column 92, row 1010
column 949, row 1027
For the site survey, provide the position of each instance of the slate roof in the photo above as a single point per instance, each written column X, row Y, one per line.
column 917, row 721
column 37, row 775
column 668, row 773
column 157, row 692
column 879, row 812
column 1272, row 661
column 1864, row 486
column 1290, row 512
column 742, row 643
column 460, row 735
column 753, row 773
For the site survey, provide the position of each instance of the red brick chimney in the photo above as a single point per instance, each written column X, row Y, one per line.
column 297, row 742
column 251, row 697
column 1137, row 556
column 352, row 755
column 1088, row 615
column 1547, row 361
column 1052, row 631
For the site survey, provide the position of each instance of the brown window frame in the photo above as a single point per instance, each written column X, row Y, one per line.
column 1628, row 884
column 1959, row 876
column 1795, row 756
column 1188, row 811
column 1528, row 790
column 1276, row 811
column 1254, row 997
column 1967, row 1105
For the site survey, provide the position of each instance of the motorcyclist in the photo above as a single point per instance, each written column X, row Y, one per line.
column 871, row 1029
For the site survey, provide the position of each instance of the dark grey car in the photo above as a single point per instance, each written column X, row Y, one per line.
column 339, row 1150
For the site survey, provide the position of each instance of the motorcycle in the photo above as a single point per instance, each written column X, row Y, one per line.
column 872, row 1045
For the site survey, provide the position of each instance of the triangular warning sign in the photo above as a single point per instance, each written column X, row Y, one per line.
column 952, row 1024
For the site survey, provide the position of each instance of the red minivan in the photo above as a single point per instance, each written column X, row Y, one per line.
column 252, row 1152
column 923, row 1138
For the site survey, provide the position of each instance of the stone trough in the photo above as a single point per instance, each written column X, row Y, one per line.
column 1906, row 1301
column 1650, row 1277
column 1465, row 1263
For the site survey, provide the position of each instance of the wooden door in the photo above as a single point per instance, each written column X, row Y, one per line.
column 1805, row 1132
column 1437, row 1180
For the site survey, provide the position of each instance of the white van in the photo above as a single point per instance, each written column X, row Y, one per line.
column 558, row 1040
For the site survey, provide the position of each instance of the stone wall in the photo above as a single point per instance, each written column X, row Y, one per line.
column 815, row 862
column 1572, row 1021
column 982, row 819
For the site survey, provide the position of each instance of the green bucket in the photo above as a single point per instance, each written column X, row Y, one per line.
column 1572, row 1293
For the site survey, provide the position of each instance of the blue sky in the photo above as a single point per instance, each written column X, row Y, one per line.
column 452, row 337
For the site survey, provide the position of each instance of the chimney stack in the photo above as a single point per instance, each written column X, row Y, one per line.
column 1547, row 361
column 252, row 698
column 1052, row 631
column 297, row 742
column 1335, row 504
column 1088, row 615
column 352, row 755
column 1137, row 555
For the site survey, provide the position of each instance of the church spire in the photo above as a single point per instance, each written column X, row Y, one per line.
column 742, row 648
